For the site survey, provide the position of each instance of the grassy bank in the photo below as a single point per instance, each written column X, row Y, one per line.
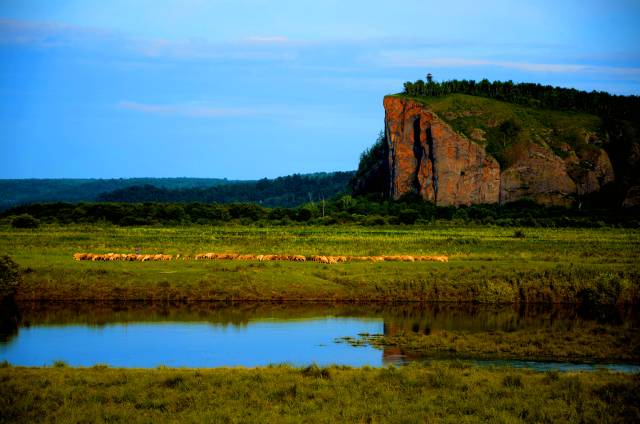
column 446, row 392
column 487, row 264
column 580, row 342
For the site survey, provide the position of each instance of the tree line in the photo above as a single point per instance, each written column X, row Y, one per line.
column 535, row 95
column 289, row 191
column 22, row 191
column 344, row 209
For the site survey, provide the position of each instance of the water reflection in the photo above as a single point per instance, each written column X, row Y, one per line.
column 406, row 316
column 194, row 344
column 252, row 334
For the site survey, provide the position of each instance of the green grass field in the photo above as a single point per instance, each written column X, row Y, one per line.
column 487, row 264
column 441, row 392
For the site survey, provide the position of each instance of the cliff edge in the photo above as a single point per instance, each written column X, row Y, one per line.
column 428, row 157
column 449, row 153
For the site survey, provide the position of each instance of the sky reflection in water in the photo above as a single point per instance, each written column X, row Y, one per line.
column 195, row 344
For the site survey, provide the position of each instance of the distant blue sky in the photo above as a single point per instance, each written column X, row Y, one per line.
column 247, row 89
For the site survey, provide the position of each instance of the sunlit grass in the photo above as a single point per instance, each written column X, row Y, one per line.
column 487, row 264
column 441, row 392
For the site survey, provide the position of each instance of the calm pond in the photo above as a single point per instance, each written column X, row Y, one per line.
column 214, row 335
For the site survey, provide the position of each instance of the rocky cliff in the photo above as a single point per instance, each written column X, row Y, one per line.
column 427, row 156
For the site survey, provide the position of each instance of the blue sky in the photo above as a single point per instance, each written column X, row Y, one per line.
column 246, row 89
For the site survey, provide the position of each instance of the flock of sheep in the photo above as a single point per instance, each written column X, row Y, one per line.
column 249, row 257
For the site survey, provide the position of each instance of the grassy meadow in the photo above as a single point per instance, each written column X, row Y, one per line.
column 442, row 391
column 486, row 264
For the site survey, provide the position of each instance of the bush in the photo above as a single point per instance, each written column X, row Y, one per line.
column 408, row 216
column 512, row 381
column 605, row 292
column 24, row 221
column 342, row 217
column 374, row 220
column 304, row 215
column 443, row 378
column 9, row 277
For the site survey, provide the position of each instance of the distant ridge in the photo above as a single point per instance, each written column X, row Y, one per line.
column 15, row 192
column 289, row 191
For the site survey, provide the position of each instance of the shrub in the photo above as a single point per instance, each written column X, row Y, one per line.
column 24, row 221
column 134, row 221
column 304, row 215
column 314, row 371
column 551, row 376
column 606, row 291
column 342, row 217
column 443, row 378
column 408, row 216
column 173, row 382
column 9, row 277
column 512, row 381
column 374, row 220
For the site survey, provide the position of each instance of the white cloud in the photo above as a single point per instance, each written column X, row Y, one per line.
column 56, row 35
column 368, row 52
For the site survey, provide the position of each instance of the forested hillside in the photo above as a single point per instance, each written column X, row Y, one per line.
column 289, row 191
column 20, row 192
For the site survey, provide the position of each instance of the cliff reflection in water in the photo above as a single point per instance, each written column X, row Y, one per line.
column 407, row 317
column 252, row 334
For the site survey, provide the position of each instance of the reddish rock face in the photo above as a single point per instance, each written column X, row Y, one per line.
column 540, row 175
column 428, row 157
column 590, row 172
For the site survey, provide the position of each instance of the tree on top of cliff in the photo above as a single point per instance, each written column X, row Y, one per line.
column 619, row 126
column 371, row 176
column 599, row 103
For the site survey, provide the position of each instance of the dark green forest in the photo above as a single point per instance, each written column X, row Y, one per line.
column 19, row 192
column 289, row 191
column 345, row 209
column 598, row 103
column 372, row 176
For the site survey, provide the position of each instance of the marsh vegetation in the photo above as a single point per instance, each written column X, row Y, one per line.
column 449, row 392
column 486, row 264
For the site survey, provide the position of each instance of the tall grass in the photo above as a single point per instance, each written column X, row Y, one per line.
column 487, row 264
column 438, row 393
